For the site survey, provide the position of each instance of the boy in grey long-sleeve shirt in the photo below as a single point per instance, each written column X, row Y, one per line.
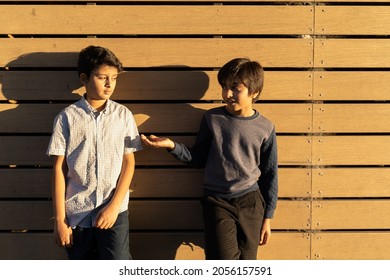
column 237, row 147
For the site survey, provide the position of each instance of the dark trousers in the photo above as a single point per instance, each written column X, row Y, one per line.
column 102, row 244
column 232, row 226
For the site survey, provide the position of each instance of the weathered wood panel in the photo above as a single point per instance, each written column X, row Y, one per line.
column 157, row 52
column 351, row 150
column 351, row 118
column 161, row 19
column 151, row 246
column 148, row 85
column 147, row 183
column 156, row 118
column 352, row 20
column 355, row 85
column 31, row 150
column 165, row 183
column 184, row 246
column 372, row 245
column 292, row 150
column 164, row 1
column 345, row 53
column 351, row 182
column 165, row 215
column 351, row 214
column 30, row 246
column 147, row 215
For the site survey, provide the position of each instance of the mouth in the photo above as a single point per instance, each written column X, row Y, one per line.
column 231, row 102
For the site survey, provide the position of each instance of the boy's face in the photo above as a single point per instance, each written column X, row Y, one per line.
column 101, row 84
column 238, row 100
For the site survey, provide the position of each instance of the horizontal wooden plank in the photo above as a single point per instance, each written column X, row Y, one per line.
column 351, row 150
column 148, row 85
column 30, row 246
column 292, row 150
column 351, row 245
column 152, row 246
column 356, row 85
column 351, row 182
column 351, row 214
column 157, row 52
column 165, row 215
column 146, row 215
column 154, row 19
column 164, row 1
column 351, row 118
column 31, row 150
column 352, row 53
column 349, row 1
column 156, row 118
column 25, row 183
column 172, row 183
column 352, row 20
column 190, row 246
column 293, row 182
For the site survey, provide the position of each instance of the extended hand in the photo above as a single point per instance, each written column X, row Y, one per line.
column 158, row 142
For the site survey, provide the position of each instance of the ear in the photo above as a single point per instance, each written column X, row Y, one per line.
column 254, row 95
column 83, row 79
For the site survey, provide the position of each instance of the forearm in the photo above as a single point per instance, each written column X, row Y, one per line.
column 124, row 181
column 58, row 189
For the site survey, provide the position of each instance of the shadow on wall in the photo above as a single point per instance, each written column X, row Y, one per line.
column 177, row 214
column 37, row 86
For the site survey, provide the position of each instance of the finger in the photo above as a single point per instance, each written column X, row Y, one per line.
column 71, row 238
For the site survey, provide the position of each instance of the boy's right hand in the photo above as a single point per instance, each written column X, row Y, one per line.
column 158, row 142
column 63, row 234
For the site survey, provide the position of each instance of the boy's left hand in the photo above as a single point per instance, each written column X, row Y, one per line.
column 107, row 217
column 265, row 233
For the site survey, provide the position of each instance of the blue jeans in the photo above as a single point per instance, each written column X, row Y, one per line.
column 102, row 244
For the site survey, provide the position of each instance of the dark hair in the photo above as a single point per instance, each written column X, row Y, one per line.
column 245, row 71
column 92, row 57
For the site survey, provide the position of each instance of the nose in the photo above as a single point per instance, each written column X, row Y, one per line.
column 108, row 83
column 229, row 93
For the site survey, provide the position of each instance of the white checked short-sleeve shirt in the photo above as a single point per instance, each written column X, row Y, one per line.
column 93, row 144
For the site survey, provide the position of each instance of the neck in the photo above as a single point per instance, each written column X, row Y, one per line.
column 242, row 113
column 97, row 104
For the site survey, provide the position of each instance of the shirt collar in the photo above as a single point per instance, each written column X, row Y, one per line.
column 89, row 109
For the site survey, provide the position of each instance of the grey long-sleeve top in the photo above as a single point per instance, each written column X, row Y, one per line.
column 239, row 155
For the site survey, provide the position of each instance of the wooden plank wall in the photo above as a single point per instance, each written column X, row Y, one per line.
column 326, row 89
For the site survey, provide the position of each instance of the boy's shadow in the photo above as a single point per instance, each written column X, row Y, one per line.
column 33, row 81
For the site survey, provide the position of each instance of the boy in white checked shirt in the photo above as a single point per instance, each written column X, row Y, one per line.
column 93, row 145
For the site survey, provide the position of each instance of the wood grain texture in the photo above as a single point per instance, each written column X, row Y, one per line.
column 355, row 85
column 351, row 182
column 352, row 20
column 153, row 118
column 352, row 53
column 351, row 150
column 151, row 246
column 157, row 52
column 354, row 214
column 351, row 245
column 31, row 150
column 351, row 118
column 146, row 215
column 157, row 19
column 163, row 84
